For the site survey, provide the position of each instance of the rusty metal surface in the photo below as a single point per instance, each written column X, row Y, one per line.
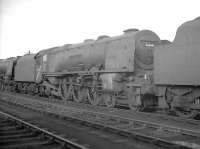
column 112, row 53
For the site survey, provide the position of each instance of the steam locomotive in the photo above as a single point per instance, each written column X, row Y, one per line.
column 136, row 70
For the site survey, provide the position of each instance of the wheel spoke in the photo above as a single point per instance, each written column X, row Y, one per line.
column 109, row 100
column 66, row 91
column 79, row 94
column 93, row 97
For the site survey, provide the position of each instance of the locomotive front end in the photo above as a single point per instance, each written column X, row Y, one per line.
column 132, row 56
column 145, row 41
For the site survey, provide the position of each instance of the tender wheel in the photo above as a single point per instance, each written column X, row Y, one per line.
column 93, row 97
column 186, row 113
column 79, row 94
column 109, row 100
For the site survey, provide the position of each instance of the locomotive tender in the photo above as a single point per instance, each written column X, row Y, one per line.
column 135, row 69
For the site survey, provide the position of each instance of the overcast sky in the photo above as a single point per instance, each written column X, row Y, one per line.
column 38, row 24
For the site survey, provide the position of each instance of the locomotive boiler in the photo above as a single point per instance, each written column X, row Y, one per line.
column 111, row 53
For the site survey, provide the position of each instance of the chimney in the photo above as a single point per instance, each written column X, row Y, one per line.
column 88, row 40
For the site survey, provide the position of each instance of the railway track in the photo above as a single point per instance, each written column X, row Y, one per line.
column 160, row 114
column 156, row 133
column 16, row 133
column 158, row 117
column 87, row 136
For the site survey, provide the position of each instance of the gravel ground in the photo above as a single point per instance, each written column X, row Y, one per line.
column 90, row 137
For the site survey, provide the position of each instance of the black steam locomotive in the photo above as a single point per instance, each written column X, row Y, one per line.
column 136, row 69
